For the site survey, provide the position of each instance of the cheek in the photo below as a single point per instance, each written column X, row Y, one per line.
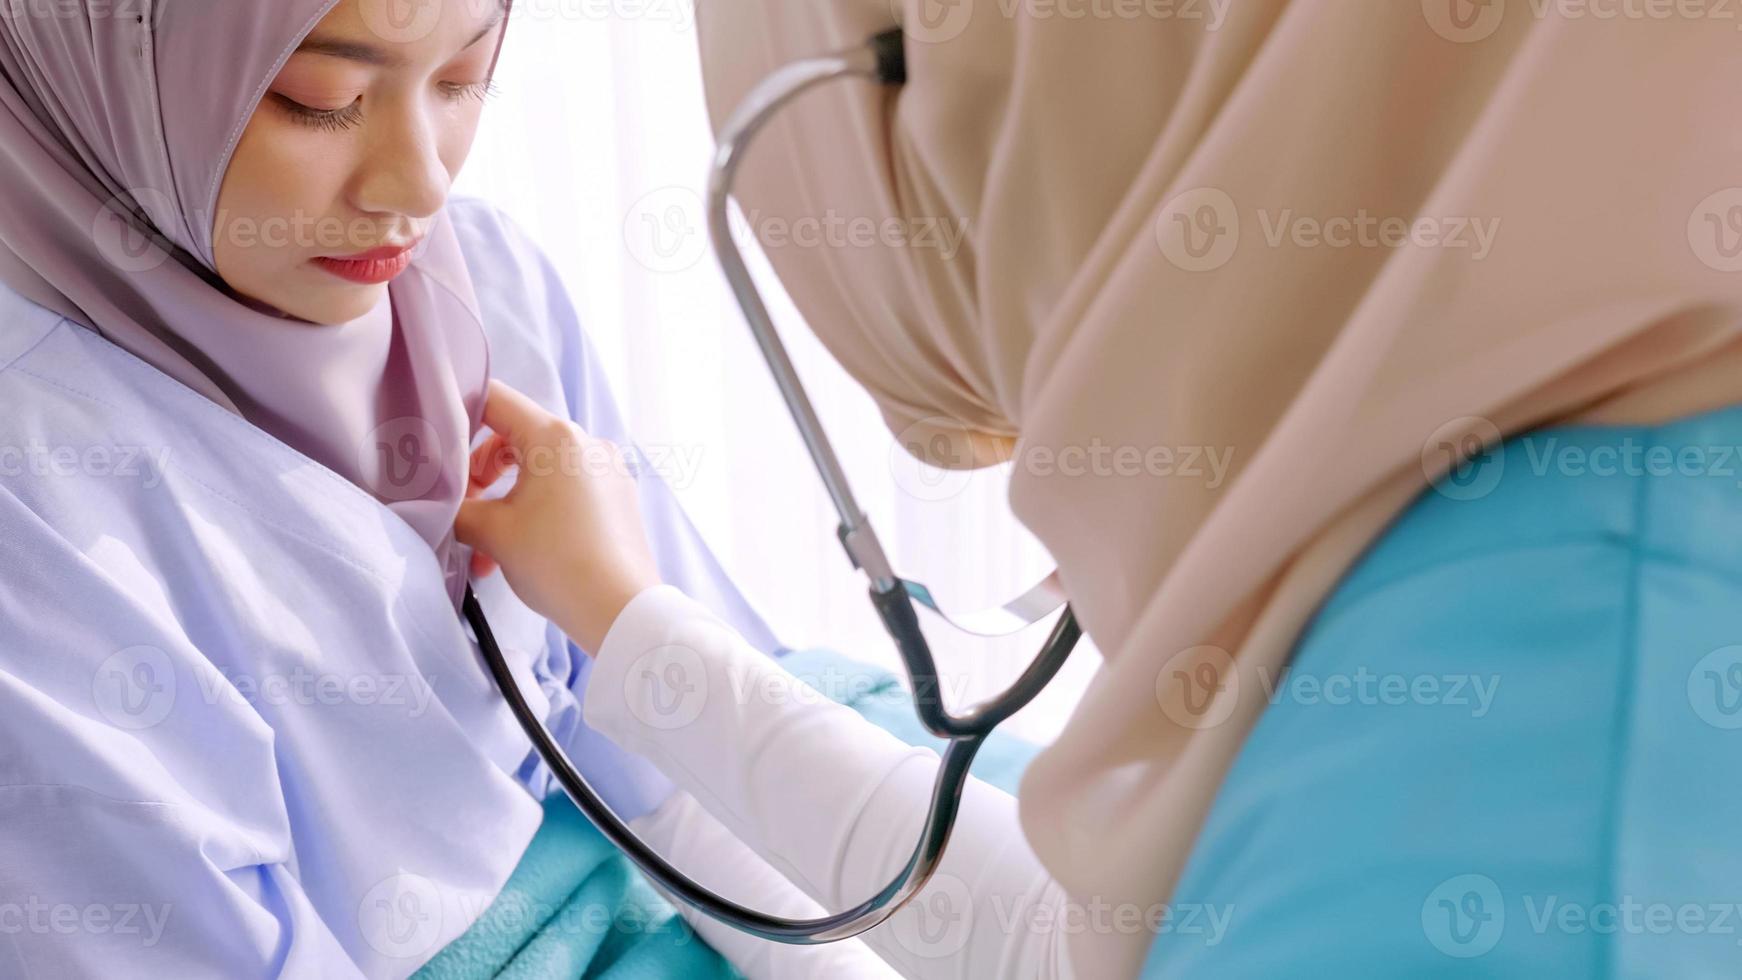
column 279, row 180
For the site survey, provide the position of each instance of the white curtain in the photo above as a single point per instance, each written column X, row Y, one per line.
column 598, row 145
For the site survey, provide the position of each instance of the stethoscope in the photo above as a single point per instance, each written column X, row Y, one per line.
column 883, row 60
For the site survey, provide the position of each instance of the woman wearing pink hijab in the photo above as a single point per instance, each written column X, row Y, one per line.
column 1446, row 678
column 245, row 345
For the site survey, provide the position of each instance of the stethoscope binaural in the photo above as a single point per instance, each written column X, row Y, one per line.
column 882, row 60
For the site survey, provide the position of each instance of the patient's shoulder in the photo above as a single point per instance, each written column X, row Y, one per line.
column 507, row 265
column 520, row 294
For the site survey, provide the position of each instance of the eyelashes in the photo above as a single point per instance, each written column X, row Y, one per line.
column 348, row 117
column 329, row 120
column 476, row 91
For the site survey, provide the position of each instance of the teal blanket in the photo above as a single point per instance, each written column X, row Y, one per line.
column 576, row 908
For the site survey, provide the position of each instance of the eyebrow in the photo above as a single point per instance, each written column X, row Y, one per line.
column 369, row 54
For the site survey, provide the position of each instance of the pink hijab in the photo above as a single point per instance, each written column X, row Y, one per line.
column 117, row 123
column 1341, row 243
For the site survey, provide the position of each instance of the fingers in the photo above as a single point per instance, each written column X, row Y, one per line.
column 474, row 528
column 492, row 458
column 479, row 522
column 508, row 411
column 478, row 519
column 516, row 417
column 516, row 423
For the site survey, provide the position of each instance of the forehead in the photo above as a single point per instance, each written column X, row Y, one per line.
column 395, row 33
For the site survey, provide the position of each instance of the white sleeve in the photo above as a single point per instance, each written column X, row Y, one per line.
column 690, row 838
column 831, row 801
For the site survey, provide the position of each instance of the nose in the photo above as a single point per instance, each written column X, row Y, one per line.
column 402, row 173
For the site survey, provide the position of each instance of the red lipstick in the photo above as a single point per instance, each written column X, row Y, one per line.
column 372, row 267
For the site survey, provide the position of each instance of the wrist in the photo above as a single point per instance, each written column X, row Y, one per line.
column 601, row 611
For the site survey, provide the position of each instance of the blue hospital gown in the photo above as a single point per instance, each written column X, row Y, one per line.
column 242, row 731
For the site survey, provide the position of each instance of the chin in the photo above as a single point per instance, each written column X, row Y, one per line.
column 334, row 305
column 328, row 303
column 352, row 303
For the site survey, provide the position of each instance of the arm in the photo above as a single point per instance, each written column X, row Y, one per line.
column 527, row 437
column 142, row 827
column 831, row 801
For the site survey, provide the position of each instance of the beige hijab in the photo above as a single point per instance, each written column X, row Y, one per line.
column 1345, row 241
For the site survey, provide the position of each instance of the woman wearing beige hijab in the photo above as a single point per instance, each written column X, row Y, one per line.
column 1442, row 678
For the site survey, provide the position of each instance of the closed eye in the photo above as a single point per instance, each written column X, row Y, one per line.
column 474, row 90
column 347, row 117
column 324, row 119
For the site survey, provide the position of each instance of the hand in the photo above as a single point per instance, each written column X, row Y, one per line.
column 569, row 534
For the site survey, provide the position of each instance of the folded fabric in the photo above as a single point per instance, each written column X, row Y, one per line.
column 574, row 908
